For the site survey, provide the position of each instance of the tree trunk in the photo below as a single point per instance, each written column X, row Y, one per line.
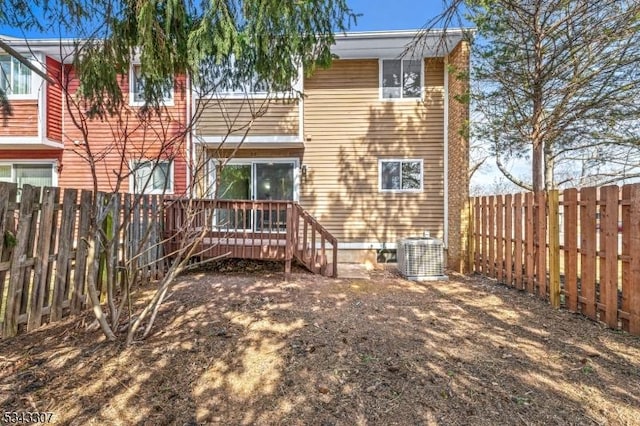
column 92, row 275
column 549, row 166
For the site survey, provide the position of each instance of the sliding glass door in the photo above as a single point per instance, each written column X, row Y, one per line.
column 235, row 184
column 274, row 181
column 260, row 180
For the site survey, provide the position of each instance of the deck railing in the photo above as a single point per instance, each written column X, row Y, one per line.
column 260, row 229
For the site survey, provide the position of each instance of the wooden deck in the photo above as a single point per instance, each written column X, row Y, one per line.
column 264, row 230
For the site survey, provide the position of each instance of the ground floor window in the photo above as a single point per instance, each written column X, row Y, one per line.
column 152, row 177
column 27, row 174
column 403, row 175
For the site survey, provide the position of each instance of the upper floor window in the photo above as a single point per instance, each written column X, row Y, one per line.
column 136, row 88
column 238, row 79
column 401, row 79
column 152, row 177
column 253, row 85
column 15, row 78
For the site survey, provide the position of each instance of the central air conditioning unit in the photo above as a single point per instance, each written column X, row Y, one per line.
column 421, row 258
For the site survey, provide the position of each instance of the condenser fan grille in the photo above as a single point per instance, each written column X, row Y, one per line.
column 421, row 258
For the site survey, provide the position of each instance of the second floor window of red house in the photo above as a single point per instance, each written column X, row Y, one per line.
column 15, row 77
column 137, row 87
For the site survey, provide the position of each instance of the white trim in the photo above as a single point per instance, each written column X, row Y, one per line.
column 249, row 139
column 446, row 153
column 400, row 160
column 53, row 163
column 189, row 136
column 367, row 246
column 29, row 142
column 251, row 162
column 401, row 98
column 301, row 105
column 132, row 167
column 53, row 144
column 132, row 94
column 42, row 101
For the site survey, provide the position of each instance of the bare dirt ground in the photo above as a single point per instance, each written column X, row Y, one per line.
column 250, row 348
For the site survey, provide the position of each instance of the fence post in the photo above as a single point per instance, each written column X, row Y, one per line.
column 554, row 249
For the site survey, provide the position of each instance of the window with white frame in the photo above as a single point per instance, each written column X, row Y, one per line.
column 400, row 175
column 401, row 79
column 16, row 79
column 233, row 79
column 39, row 174
column 152, row 177
column 136, row 87
column 253, row 86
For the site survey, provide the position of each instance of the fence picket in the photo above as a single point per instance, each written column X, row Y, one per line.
column 6, row 232
column 63, row 265
column 508, row 242
column 499, row 258
column 631, row 283
column 485, row 232
column 40, row 288
column 30, row 194
column 570, row 217
column 588, row 198
column 541, row 243
column 609, row 259
column 492, row 236
column 16, row 277
column 517, row 262
column 530, row 242
column 477, row 230
column 554, row 249
column 78, row 295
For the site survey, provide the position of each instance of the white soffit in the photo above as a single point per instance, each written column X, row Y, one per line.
column 395, row 44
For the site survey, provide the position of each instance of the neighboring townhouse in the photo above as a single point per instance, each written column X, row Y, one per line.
column 374, row 150
column 41, row 142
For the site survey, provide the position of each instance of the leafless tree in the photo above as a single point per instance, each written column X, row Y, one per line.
column 559, row 85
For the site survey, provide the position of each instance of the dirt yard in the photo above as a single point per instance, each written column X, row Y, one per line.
column 252, row 349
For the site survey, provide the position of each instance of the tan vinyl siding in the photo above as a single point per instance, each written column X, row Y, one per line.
column 348, row 128
column 231, row 116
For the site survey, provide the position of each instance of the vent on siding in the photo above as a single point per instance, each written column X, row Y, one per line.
column 421, row 258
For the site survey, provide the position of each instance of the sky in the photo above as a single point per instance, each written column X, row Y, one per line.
column 377, row 15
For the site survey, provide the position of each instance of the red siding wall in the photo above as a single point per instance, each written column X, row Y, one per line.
column 138, row 140
column 54, row 102
column 23, row 120
column 31, row 154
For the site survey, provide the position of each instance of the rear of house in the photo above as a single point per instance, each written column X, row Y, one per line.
column 42, row 141
column 375, row 149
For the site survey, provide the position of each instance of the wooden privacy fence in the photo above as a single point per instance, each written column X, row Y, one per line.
column 577, row 248
column 44, row 259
